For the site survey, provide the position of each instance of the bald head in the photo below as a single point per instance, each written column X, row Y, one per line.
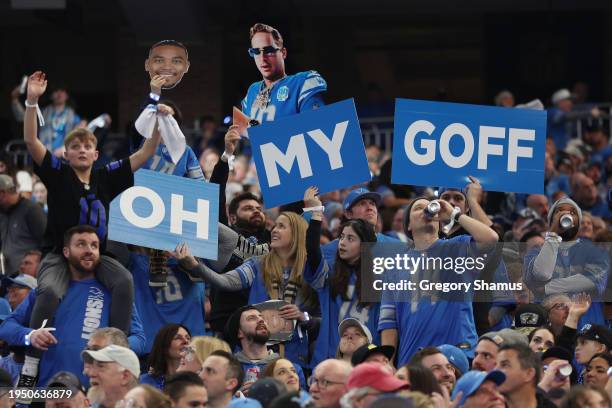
column 538, row 203
column 584, row 190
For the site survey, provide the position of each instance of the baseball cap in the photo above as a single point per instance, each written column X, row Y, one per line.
column 265, row 390
column 376, row 376
column 352, row 322
column 528, row 317
column 6, row 182
column 560, row 95
column 362, row 353
column 596, row 332
column 360, row 194
column 123, row 356
column 244, row 403
column 505, row 337
column 5, row 309
column 22, row 280
column 455, row 356
column 560, row 353
column 472, row 380
column 66, row 380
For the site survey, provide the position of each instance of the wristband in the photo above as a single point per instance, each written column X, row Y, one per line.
column 552, row 236
column 153, row 96
column 319, row 208
column 27, row 339
column 41, row 119
column 306, row 317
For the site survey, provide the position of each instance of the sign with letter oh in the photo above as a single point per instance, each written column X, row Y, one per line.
column 161, row 210
column 321, row 147
column 440, row 144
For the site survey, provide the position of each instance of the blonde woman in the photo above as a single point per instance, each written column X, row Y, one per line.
column 276, row 275
column 200, row 348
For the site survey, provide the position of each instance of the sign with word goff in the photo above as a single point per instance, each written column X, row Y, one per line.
column 441, row 144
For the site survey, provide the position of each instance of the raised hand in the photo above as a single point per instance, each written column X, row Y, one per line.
column 474, row 189
column 184, row 257
column 232, row 137
column 311, row 197
column 157, row 82
column 165, row 109
column 446, row 209
column 37, row 85
column 580, row 304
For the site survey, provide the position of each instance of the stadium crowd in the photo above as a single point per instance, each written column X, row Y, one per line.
column 106, row 324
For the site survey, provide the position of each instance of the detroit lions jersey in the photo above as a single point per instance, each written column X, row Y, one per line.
column 289, row 96
column 187, row 166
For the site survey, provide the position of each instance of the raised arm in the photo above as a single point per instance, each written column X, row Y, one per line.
column 484, row 236
column 147, row 150
column 37, row 84
column 229, row 281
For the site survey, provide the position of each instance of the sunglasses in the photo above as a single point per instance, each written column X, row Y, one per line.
column 269, row 50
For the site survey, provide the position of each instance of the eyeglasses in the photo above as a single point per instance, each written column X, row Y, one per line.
column 322, row 383
column 268, row 50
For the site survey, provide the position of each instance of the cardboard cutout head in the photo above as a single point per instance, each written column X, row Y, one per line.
column 169, row 59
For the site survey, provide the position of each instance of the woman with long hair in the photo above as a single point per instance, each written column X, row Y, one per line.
column 284, row 371
column 339, row 281
column 166, row 353
column 596, row 372
column 277, row 275
column 200, row 348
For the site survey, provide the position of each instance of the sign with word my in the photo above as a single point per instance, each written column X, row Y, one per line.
column 441, row 144
column 322, row 148
column 161, row 211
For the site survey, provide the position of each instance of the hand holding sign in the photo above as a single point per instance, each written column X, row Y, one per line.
column 311, row 197
column 241, row 121
column 232, row 137
column 182, row 254
column 473, row 191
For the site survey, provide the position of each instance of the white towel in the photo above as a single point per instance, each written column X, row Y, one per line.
column 170, row 131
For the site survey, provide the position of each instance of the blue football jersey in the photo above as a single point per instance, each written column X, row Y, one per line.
column 187, row 166
column 182, row 301
column 289, row 96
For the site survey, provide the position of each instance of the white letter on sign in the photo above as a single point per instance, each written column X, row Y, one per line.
column 428, row 145
column 450, row 131
column 484, row 148
column 332, row 148
column 272, row 156
column 514, row 150
column 178, row 215
column 126, row 205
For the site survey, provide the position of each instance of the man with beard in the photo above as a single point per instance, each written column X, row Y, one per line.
column 436, row 361
column 84, row 308
column 248, row 329
column 247, row 218
column 113, row 371
column 565, row 264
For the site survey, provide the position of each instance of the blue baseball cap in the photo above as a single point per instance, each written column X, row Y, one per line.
column 472, row 380
column 244, row 403
column 455, row 356
column 360, row 194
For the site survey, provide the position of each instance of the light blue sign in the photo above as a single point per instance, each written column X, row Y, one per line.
column 322, row 148
column 441, row 144
column 161, row 210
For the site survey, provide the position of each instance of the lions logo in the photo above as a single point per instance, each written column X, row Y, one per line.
column 282, row 94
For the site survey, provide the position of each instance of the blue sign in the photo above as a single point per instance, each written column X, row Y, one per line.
column 161, row 210
column 441, row 144
column 322, row 148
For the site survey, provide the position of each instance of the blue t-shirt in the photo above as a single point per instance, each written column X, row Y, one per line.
column 187, row 166
column 289, row 96
column 251, row 276
column 182, row 301
column 84, row 308
column 333, row 311
column 424, row 321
